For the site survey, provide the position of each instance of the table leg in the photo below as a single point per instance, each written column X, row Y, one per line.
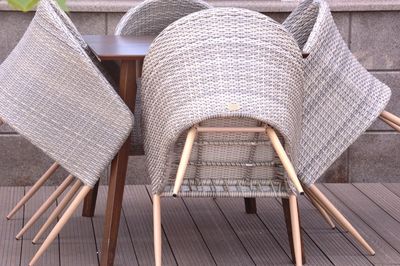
column 251, row 205
column 89, row 204
column 118, row 171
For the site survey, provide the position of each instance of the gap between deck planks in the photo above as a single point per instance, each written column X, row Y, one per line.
column 203, row 231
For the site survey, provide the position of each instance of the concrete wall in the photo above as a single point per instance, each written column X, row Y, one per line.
column 371, row 29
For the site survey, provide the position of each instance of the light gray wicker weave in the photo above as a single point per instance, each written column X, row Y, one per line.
column 74, row 32
column 148, row 19
column 57, row 12
column 342, row 99
column 53, row 94
column 194, row 70
column 152, row 16
column 221, row 68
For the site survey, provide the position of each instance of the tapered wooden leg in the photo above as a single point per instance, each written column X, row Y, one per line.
column 187, row 150
column 391, row 117
column 284, row 159
column 390, row 123
column 60, row 207
column 89, row 205
column 33, row 189
column 294, row 218
column 46, row 205
column 250, row 205
column 157, row 230
column 1, row 122
column 64, row 219
column 321, row 210
column 286, row 211
column 328, row 206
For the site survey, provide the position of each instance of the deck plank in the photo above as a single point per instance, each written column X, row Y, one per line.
column 385, row 254
column 10, row 249
column 77, row 236
column 256, row 238
column 379, row 220
column 220, row 238
column 335, row 246
column 52, row 256
column 383, row 197
column 271, row 213
column 138, row 211
column 394, row 187
column 209, row 232
column 125, row 253
column 185, row 239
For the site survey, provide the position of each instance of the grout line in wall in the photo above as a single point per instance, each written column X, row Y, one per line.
column 106, row 24
column 384, row 70
column 349, row 37
column 381, row 132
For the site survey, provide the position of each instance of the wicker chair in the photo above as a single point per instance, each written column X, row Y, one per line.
column 214, row 84
column 56, row 11
column 148, row 19
column 53, row 94
column 341, row 100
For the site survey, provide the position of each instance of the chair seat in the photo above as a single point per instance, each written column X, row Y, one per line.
column 228, row 164
column 228, row 187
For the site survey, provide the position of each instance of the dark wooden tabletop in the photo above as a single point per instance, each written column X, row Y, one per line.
column 112, row 47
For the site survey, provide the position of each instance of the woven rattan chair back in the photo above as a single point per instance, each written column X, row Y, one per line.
column 150, row 18
column 53, row 94
column 341, row 98
column 226, row 68
column 74, row 31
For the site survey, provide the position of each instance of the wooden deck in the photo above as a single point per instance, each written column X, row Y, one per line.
column 215, row 232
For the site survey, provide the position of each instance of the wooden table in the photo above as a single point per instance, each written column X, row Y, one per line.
column 130, row 52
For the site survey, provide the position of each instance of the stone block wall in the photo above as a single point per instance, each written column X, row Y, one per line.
column 370, row 28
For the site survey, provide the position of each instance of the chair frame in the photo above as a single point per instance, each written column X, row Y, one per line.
column 287, row 165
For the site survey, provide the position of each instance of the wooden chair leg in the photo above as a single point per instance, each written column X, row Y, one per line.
column 89, row 205
column 321, row 210
column 295, row 221
column 45, row 205
column 1, row 122
column 187, row 150
column 33, row 189
column 60, row 207
column 64, row 219
column 157, row 230
column 286, row 211
column 251, row 205
column 273, row 137
column 391, row 117
column 330, row 208
column 390, row 123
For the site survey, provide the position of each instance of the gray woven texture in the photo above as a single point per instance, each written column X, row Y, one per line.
column 148, row 19
column 195, row 69
column 74, row 31
column 342, row 99
column 152, row 16
column 53, row 94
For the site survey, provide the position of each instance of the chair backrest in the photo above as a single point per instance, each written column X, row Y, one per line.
column 52, row 93
column 341, row 98
column 74, row 31
column 149, row 18
column 219, row 63
column 152, row 16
